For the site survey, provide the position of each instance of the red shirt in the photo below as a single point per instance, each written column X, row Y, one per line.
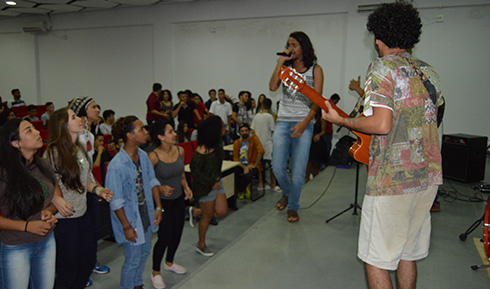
column 153, row 103
column 328, row 128
column 201, row 107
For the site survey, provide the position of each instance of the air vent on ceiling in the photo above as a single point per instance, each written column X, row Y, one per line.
column 33, row 27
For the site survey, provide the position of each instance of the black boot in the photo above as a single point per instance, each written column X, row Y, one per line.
column 232, row 203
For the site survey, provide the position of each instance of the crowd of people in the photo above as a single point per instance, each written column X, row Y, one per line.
column 67, row 193
column 146, row 153
column 49, row 204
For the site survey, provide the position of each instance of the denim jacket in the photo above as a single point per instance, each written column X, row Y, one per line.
column 121, row 179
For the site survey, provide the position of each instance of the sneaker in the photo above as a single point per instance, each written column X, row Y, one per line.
column 213, row 222
column 157, row 281
column 277, row 189
column 89, row 283
column 240, row 195
column 267, row 187
column 192, row 220
column 204, row 251
column 175, row 268
column 101, row 269
column 248, row 193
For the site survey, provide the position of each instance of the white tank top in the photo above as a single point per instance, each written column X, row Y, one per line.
column 295, row 106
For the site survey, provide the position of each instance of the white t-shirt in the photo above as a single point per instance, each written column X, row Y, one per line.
column 263, row 125
column 87, row 139
column 221, row 110
column 45, row 118
column 105, row 128
column 194, row 135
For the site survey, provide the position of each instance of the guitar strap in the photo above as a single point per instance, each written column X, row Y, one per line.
column 431, row 89
column 429, row 86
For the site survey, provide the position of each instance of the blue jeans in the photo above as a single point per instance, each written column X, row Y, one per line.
column 28, row 265
column 213, row 194
column 296, row 148
column 134, row 262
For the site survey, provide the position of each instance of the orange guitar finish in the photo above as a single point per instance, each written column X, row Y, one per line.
column 486, row 228
column 360, row 149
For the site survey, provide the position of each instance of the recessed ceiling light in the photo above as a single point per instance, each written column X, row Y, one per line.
column 10, row 3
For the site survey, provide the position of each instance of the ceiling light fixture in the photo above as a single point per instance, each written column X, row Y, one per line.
column 12, row 3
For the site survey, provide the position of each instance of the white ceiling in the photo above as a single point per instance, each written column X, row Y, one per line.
column 31, row 7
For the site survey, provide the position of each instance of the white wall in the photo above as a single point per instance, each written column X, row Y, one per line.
column 116, row 55
column 114, row 72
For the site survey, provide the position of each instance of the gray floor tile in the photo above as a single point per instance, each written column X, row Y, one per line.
column 257, row 248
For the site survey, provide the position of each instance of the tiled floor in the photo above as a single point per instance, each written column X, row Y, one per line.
column 257, row 248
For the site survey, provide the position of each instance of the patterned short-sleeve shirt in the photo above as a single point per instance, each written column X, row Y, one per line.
column 407, row 159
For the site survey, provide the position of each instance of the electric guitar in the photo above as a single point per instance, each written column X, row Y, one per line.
column 360, row 149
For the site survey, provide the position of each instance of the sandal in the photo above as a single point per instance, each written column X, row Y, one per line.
column 293, row 216
column 282, row 203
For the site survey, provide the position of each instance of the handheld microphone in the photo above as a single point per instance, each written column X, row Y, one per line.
column 283, row 54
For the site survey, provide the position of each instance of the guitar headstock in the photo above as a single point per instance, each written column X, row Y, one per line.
column 291, row 78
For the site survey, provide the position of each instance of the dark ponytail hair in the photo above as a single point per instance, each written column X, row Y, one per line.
column 209, row 132
column 158, row 128
column 23, row 195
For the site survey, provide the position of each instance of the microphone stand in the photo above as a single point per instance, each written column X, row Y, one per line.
column 354, row 205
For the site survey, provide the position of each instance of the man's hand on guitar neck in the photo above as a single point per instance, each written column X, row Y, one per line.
column 331, row 115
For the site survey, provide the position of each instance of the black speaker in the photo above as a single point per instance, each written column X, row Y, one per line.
column 340, row 155
column 463, row 157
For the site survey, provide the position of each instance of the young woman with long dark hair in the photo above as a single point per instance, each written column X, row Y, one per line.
column 294, row 128
column 206, row 174
column 167, row 106
column 27, row 188
column 260, row 101
column 168, row 162
column 74, row 235
column 183, row 132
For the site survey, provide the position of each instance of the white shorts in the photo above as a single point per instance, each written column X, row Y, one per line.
column 395, row 228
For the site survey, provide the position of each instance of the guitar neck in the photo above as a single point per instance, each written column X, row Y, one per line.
column 319, row 100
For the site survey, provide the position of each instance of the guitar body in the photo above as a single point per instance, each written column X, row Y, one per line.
column 359, row 150
column 486, row 228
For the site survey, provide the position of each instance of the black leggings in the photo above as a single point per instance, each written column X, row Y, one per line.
column 75, row 252
column 170, row 231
